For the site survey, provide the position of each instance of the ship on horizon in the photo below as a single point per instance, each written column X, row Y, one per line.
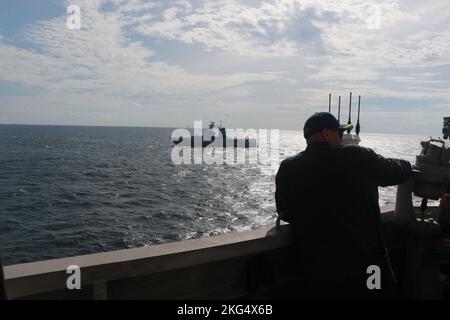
column 216, row 137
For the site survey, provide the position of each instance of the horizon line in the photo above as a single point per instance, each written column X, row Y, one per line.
column 164, row 127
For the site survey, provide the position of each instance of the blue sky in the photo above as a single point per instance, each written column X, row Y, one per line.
column 251, row 64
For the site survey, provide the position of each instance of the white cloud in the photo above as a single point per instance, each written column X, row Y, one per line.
column 258, row 55
column 100, row 58
column 229, row 26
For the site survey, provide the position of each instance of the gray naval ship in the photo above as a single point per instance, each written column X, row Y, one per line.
column 217, row 138
column 257, row 264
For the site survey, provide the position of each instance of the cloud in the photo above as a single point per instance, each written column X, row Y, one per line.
column 99, row 58
column 219, row 56
column 231, row 27
column 351, row 40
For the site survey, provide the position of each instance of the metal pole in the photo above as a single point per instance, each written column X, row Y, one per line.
column 358, row 127
column 350, row 112
column 339, row 109
column 329, row 103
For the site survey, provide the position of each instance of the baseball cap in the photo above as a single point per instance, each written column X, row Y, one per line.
column 322, row 120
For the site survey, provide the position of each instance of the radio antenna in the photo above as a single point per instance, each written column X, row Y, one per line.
column 339, row 109
column 329, row 103
column 350, row 113
column 358, row 127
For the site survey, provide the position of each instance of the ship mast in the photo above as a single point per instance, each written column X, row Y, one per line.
column 350, row 113
column 358, row 127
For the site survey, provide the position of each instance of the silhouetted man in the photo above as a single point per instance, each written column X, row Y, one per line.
column 329, row 194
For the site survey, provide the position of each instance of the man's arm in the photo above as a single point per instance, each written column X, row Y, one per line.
column 280, row 193
column 387, row 171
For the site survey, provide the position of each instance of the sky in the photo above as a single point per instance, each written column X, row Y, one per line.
column 249, row 63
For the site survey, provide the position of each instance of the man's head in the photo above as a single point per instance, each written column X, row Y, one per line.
column 324, row 127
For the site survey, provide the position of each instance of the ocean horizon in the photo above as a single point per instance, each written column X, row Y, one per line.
column 205, row 123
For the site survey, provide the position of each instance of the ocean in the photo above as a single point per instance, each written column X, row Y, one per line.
column 71, row 190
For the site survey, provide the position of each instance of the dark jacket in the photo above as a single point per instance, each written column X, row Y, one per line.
column 329, row 194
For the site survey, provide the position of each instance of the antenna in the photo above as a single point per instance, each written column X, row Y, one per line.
column 329, row 103
column 350, row 112
column 358, row 127
column 339, row 109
